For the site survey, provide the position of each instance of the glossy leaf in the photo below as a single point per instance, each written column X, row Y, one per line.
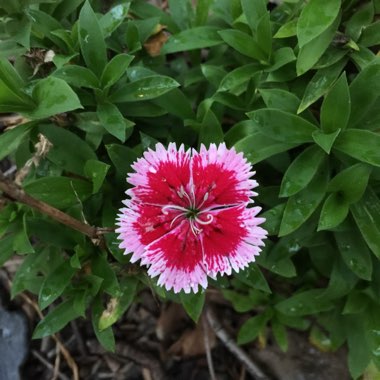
column 55, row 283
column 301, row 171
column 10, row 140
column 118, row 306
column 310, row 53
column 105, row 336
column 351, row 182
column 60, row 192
column 57, row 319
column 97, row 171
column 71, row 160
column 211, row 130
column 101, row 268
column 280, row 335
column 243, row 43
column 283, row 126
column 336, row 107
column 355, row 253
column 254, row 10
column 253, row 277
column 91, row 40
column 113, row 121
column 366, row 213
column 257, row 147
column 144, row 89
column 363, row 96
column 193, row 304
column 319, row 85
column 195, row 38
column 301, row 205
column 315, row 18
column 252, row 328
column 304, row 303
column 360, row 144
column 325, row 140
column 115, row 69
column 77, row 76
column 53, row 96
column 334, row 212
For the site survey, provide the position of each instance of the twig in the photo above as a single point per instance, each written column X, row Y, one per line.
column 48, row 365
column 230, row 344
column 206, row 341
column 16, row 193
column 56, row 363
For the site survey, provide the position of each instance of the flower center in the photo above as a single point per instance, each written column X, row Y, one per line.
column 192, row 213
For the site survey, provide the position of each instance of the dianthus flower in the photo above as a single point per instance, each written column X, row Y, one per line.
column 187, row 215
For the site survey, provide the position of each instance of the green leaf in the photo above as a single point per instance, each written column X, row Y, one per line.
column 257, row 147
column 101, row 268
column 305, row 303
column 325, row 140
column 21, row 243
column 336, row 107
column 355, row 253
column 351, row 182
column 106, row 336
column 11, row 78
column 122, row 157
column 175, row 102
column 280, row 58
column 97, row 171
column 211, row 131
column 71, row 160
column 334, row 212
column 193, row 304
column 57, row 319
column 254, row 10
column 11, row 139
column 91, row 40
column 77, row 76
column 115, row 69
column 55, row 283
column 240, row 302
column 288, row 29
column 113, row 121
column 279, row 333
column 283, row 126
column 273, row 219
column 363, row 96
column 202, row 11
column 195, row 38
column 253, row 277
column 182, row 12
column 370, row 35
column 118, row 306
column 356, row 302
column 114, row 18
column 315, row 18
column 360, row 18
column 243, row 43
column 360, row 144
column 53, row 96
column 144, row 89
column 280, row 99
column 6, row 248
column 366, row 213
column 359, row 352
column 60, row 192
column 237, row 77
column 310, row 53
column 252, row 328
column 301, row 205
column 322, row 80
column 301, row 171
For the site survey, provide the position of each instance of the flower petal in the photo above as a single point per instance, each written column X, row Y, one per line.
column 221, row 177
column 177, row 258
column 232, row 240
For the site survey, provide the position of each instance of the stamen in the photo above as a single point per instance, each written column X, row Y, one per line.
column 172, row 222
column 205, row 197
column 173, row 207
column 205, row 222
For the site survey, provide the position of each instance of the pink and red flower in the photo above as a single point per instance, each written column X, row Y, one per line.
column 188, row 218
